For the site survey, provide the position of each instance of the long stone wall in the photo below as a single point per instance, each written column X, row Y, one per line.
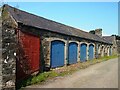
column 0, row 54
column 9, row 55
column 8, row 58
column 47, row 37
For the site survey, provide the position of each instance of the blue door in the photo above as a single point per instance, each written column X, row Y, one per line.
column 57, row 54
column 91, row 51
column 72, row 53
column 83, row 52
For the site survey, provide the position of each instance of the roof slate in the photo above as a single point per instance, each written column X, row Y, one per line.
column 110, row 39
column 43, row 23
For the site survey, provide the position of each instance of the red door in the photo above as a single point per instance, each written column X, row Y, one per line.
column 29, row 60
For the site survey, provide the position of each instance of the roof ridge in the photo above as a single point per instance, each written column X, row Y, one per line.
column 45, row 18
column 62, row 28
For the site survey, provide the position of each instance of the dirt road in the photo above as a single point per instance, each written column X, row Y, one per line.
column 101, row 75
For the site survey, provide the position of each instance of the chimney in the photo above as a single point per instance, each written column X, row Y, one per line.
column 92, row 31
column 98, row 32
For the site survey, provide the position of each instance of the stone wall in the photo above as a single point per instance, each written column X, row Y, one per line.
column 0, row 54
column 115, row 46
column 96, row 32
column 118, row 46
column 47, row 37
column 9, row 45
column 8, row 57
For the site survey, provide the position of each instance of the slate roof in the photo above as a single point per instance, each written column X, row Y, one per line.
column 110, row 39
column 43, row 23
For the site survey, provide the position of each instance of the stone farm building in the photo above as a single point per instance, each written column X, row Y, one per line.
column 32, row 43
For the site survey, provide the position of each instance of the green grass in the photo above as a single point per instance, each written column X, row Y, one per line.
column 62, row 71
column 37, row 79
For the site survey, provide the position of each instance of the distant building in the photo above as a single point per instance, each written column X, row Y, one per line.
column 111, row 39
column 115, row 40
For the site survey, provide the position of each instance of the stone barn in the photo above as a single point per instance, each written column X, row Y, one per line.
column 113, row 40
column 33, row 44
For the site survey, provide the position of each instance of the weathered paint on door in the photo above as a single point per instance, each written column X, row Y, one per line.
column 91, row 51
column 83, row 52
column 72, row 55
column 29, row 60
column 57, row 54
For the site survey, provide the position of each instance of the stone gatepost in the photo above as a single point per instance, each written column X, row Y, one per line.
column 66, row 53
column 102, row 51
column 78, row 60
column 108, row 51
column 0, row 54
column 87, row 52
column 8, row 50
column 9, row 46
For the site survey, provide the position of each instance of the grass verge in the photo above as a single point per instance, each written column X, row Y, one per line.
column 61, row 71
